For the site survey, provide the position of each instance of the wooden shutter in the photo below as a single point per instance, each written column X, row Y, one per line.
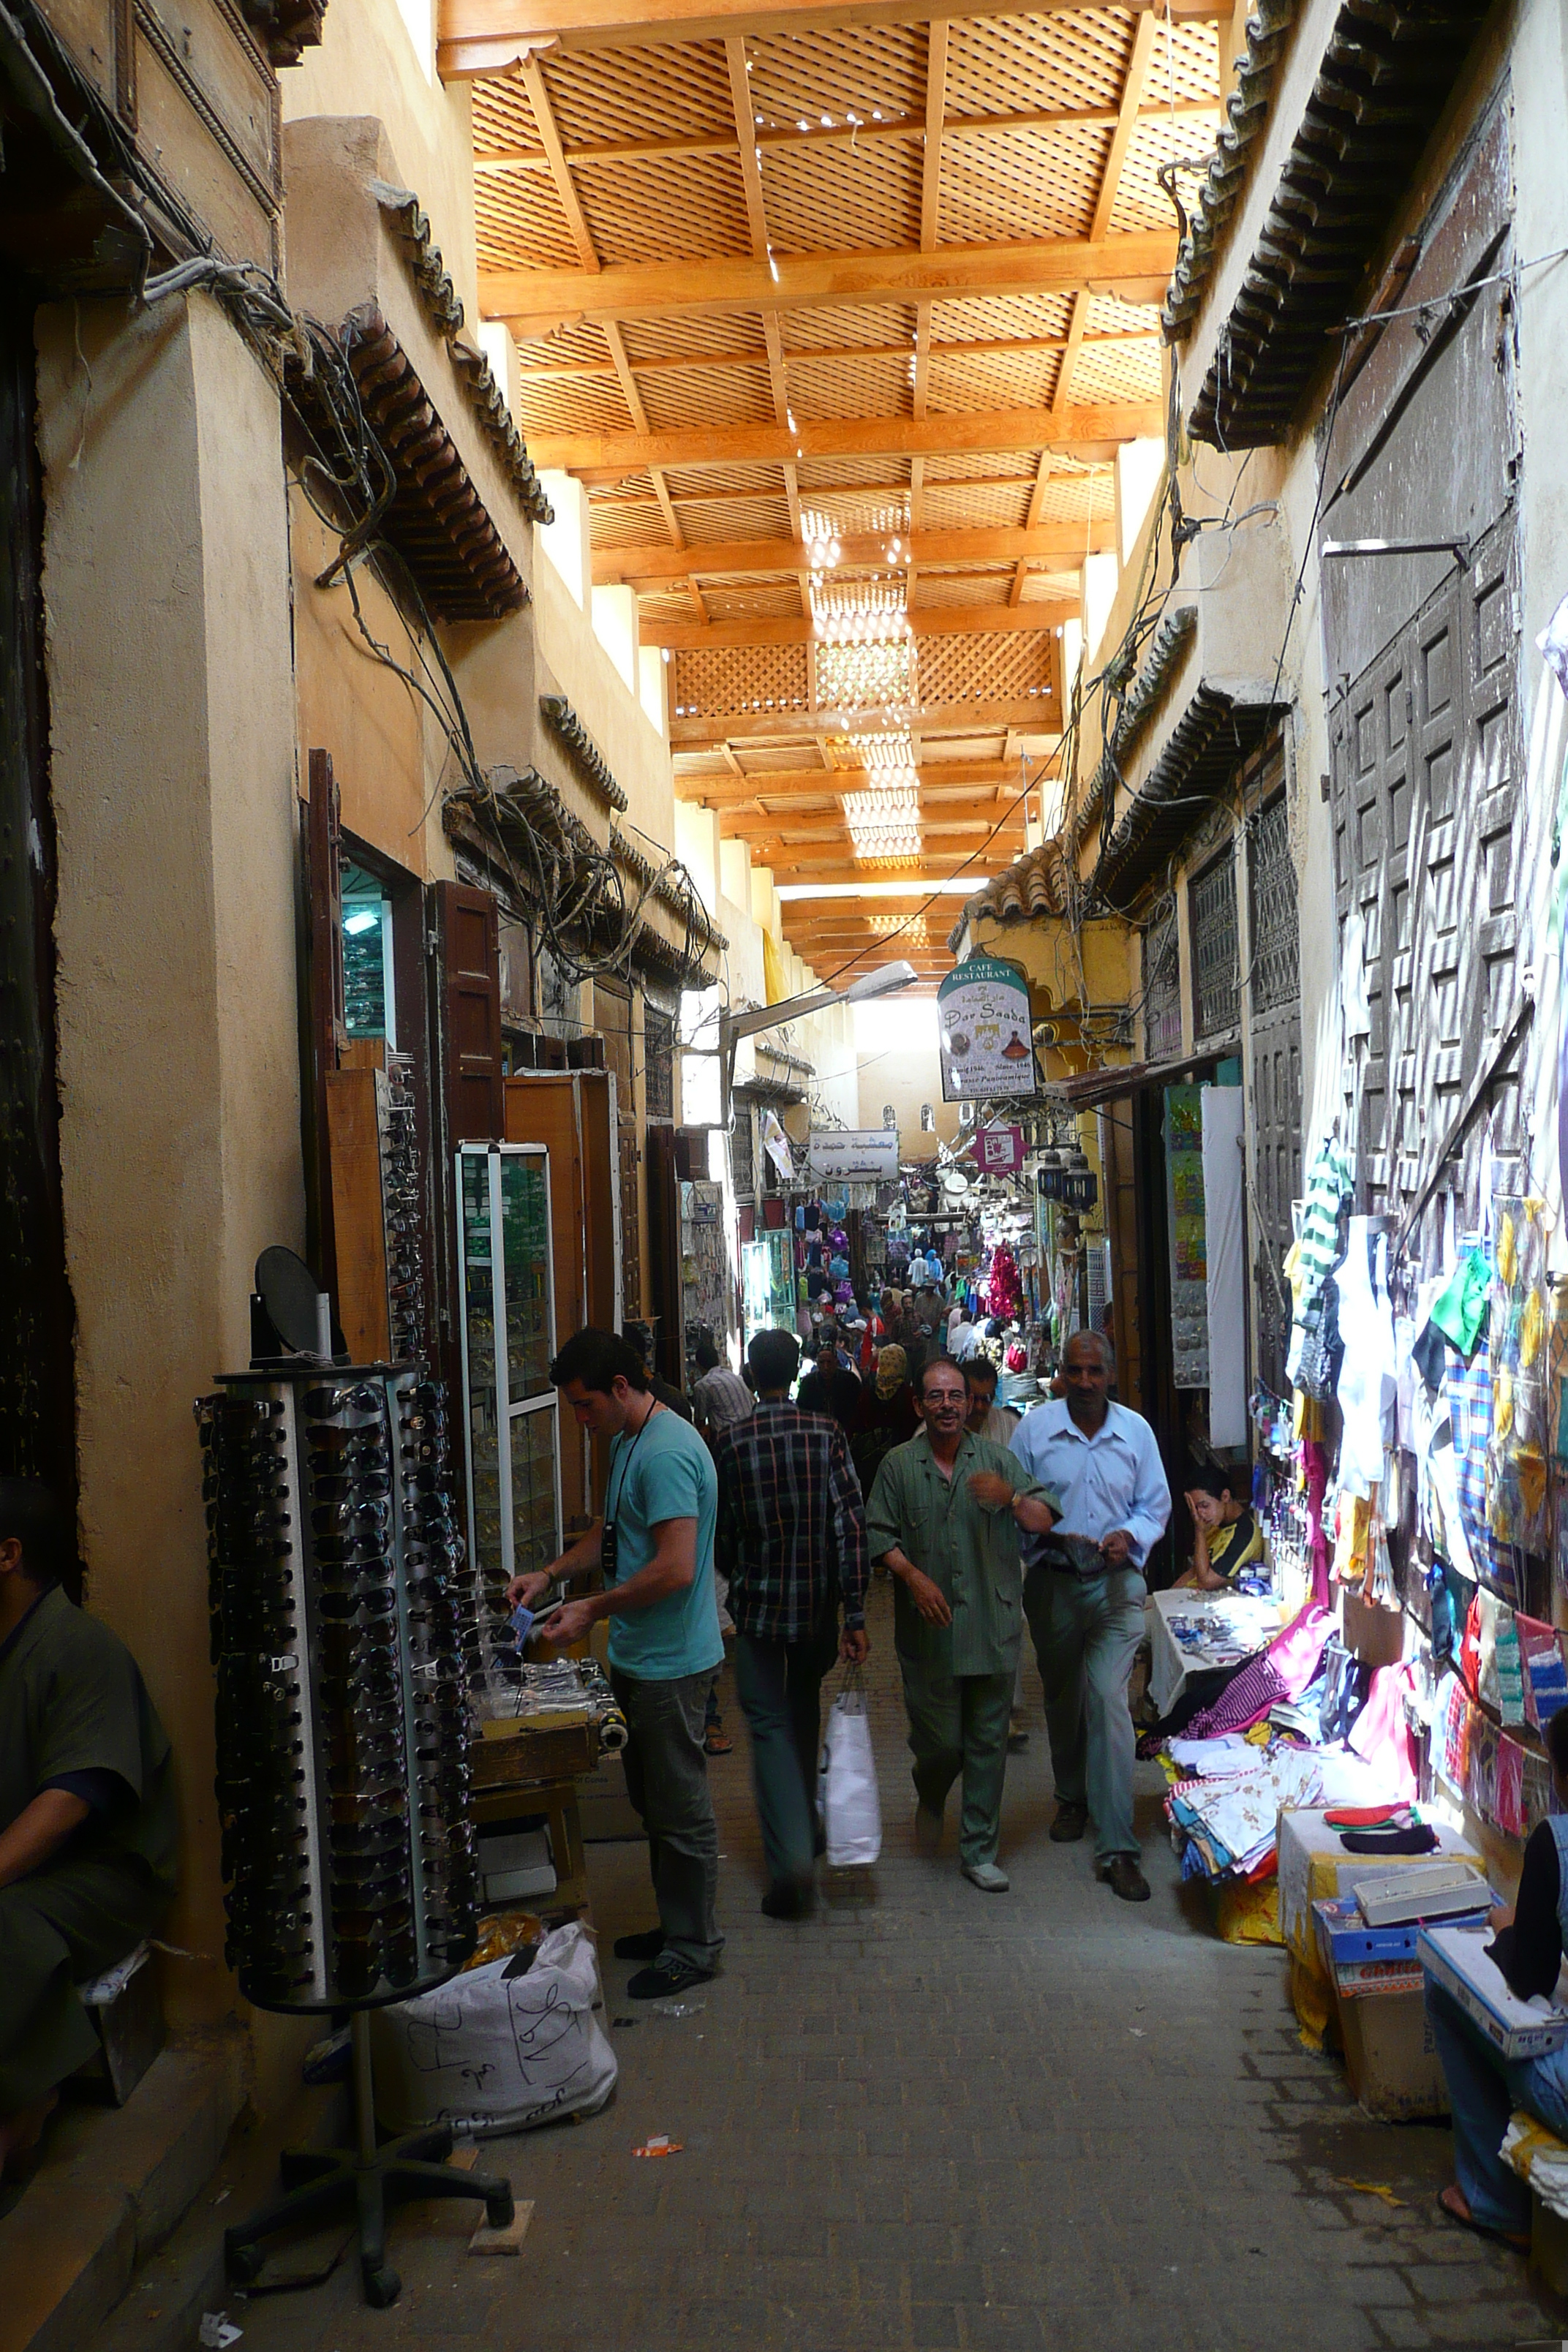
column 467, row 947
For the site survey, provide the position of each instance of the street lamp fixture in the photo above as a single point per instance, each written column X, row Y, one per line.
column 734, row 1026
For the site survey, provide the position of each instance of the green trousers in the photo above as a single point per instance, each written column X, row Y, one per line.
column 58, row 1927
column 957, row 1723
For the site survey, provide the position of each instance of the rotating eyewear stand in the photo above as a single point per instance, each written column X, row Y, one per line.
column 369, row 2178
column 340, row 1643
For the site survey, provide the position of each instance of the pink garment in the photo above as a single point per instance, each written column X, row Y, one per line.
column 1281, row 1672
column 1381, row 1736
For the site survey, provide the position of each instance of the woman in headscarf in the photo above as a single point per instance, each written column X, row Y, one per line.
column 885, row 1415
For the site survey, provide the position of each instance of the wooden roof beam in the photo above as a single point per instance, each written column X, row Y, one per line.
column 486, row 36
column 1052, row 543
column 1032, row 716
column 494, row 162
column 710, row 290
column 738, row 791
column 932, row 621
column 1084, row 429
column 686, row 362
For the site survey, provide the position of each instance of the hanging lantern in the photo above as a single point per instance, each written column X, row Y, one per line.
column 1080, row 1186
column 1049, row 1180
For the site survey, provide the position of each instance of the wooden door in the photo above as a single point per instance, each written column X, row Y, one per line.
column 543, row 1107
column 469, row 948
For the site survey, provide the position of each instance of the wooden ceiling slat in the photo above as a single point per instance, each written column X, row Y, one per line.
column 935, row 622
column 657, row 290
column 1049, row 544
column 1082, row 427
column 489, row 36
column 1033, row 716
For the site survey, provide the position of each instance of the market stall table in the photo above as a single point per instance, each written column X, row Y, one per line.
column 1199, row 1632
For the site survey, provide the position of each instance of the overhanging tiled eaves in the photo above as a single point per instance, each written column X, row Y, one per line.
column 1386, row 76
column 436, row 520
column 442, row 307
column 1193, row 773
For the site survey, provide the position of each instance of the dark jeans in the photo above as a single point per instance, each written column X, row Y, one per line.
column 780, row 1687
column 667, row 1781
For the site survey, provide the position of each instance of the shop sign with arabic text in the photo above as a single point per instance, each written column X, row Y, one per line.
column 987, row 1047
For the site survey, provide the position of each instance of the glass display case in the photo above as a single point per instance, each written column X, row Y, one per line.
column 508, row 1340
column 768, row 1283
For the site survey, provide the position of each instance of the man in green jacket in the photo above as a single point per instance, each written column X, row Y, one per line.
column 87, row 1812
column 943, row 1516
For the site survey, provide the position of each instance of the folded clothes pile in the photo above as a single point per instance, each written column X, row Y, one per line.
column 1224, row 1817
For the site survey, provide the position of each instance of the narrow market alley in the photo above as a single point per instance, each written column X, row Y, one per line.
column 928, row 2117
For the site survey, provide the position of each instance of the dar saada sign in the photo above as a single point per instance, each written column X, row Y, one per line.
column 988, row 1048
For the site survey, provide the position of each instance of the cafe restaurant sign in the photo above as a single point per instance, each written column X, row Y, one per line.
column 982, row 1016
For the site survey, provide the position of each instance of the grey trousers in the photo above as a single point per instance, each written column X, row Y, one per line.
column 957, row 1723
column 1086, row 1633
column 59, row 1926
column 780, row 1683
column 667, row 1781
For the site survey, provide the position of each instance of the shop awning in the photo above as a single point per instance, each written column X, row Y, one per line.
column 1091, row 1088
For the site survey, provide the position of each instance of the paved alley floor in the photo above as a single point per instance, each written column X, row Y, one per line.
column 933, row 2117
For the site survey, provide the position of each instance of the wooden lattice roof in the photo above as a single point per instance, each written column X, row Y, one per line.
column 775, row 275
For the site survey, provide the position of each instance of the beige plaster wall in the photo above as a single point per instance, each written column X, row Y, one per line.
column 172, row 719
column 899, row 1062
column 367, row 65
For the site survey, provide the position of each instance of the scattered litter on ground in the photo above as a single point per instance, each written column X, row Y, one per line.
column 221, row 2195
column 218, row 2331
column 676, row 2007
column 661, row 2144
column 1369, row 2189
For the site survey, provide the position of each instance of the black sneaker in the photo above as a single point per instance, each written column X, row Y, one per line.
column 646, row 1946
column 668, row 1974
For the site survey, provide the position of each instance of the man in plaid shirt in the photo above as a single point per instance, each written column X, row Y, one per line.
column 790, row 1537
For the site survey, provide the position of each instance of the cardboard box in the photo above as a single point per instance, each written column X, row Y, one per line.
column 1456, row 1958
column 1344, row 1939
column 1391, row 2057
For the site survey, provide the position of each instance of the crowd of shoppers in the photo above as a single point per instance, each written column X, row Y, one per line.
column 984, row 1521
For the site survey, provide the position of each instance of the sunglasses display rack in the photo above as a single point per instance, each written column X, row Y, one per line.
column 343, row 1636
column 403, row 1209
column 341, row 1628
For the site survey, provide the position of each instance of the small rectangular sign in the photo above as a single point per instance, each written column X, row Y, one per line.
column 855, row 1155
column 998, row 1150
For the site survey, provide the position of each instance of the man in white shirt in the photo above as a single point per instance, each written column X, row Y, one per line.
column 720, row 1397
column 1084, row 1600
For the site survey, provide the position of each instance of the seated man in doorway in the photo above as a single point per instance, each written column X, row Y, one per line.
column 653, row 1546
column 944, row 1515
column 1225, row 1534
column 87, row 1812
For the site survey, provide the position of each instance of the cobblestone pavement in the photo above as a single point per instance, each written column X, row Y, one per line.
column 933, row 2117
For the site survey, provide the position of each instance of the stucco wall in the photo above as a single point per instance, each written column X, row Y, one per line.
column 367, row 65
column 172, row 749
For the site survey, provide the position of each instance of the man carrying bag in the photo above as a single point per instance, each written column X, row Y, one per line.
column 790, row 1537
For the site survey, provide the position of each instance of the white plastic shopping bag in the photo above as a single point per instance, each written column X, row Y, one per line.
column 490, row 2053
column 847, row 1785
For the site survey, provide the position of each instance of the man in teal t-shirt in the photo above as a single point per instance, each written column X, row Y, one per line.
column 654, row 1549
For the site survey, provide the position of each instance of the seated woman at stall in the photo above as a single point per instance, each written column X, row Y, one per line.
column 86, row 1814
column 1484, row 2087
column 1225, row 1534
